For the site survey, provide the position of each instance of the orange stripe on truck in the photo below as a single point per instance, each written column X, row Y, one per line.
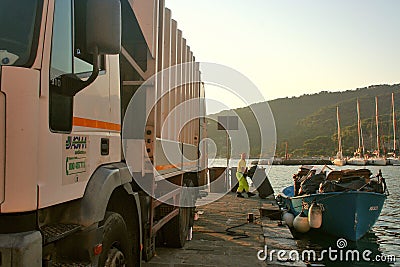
column 166, row 167
column 82, row 122
column 173, row 166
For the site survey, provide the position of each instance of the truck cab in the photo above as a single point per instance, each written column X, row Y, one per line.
column 68, row 69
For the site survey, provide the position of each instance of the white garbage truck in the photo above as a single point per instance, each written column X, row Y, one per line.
column 69, row 69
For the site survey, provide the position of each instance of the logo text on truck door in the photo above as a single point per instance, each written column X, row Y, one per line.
column 75, row 159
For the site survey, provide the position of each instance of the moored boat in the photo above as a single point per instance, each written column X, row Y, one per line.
column 339, row 160
column 351, row 200
column 377, row 159
column 392, row 158
column 358, row 159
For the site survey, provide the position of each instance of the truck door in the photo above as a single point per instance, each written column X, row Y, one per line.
column 83, row 120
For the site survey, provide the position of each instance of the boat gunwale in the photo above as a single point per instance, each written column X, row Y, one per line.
column 333, row 193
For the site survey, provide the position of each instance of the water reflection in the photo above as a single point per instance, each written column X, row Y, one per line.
column 350, row 255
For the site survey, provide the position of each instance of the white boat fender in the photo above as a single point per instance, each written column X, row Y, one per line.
column 288, row 218
column 301, row 224
column 315, row 215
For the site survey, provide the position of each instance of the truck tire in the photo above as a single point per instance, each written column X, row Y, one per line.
column 117, row 250
column 176, row 230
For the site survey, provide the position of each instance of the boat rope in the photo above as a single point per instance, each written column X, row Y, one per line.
column 236, row 235
column 229, row 231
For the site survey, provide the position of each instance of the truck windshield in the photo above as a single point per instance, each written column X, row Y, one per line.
column 19, row 27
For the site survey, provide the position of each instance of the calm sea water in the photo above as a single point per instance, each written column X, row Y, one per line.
column 382, row 240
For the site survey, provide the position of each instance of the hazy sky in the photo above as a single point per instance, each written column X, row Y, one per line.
column 289, row 48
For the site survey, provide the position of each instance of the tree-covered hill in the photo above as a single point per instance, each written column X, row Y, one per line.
column 308, row 123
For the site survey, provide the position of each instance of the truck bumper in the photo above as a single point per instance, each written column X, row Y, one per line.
column 21, row 249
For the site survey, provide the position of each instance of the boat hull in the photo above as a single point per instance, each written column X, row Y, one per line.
column 393, row 161
column 339, row 162
column 356, row 161
column 347, row 215
column 376, row 161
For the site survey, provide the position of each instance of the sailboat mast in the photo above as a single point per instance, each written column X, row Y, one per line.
column 394, row 124
column 339, row 135
column 359, row 125
column 377, row 126
column 362, row 141
column 286, row 151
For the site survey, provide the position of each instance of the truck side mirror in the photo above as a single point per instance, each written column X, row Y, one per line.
column 103, row 26
column 103, row 36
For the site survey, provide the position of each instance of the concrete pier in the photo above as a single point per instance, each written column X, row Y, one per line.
column 213, row 245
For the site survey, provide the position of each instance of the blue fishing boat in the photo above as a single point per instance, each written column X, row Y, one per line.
column 350, row 204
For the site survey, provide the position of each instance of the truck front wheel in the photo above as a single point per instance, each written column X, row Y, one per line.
column 117, row 250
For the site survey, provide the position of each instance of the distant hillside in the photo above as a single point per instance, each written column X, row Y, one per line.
column 308, row 122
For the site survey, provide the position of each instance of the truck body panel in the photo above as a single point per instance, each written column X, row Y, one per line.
column 2, row 145
column 146, row 13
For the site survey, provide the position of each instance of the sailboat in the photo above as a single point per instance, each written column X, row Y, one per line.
column 377, row 159
column 357, row 159
column 393, row 159
column 339, row 160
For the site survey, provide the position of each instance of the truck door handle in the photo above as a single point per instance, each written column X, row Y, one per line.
column 105, row 146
